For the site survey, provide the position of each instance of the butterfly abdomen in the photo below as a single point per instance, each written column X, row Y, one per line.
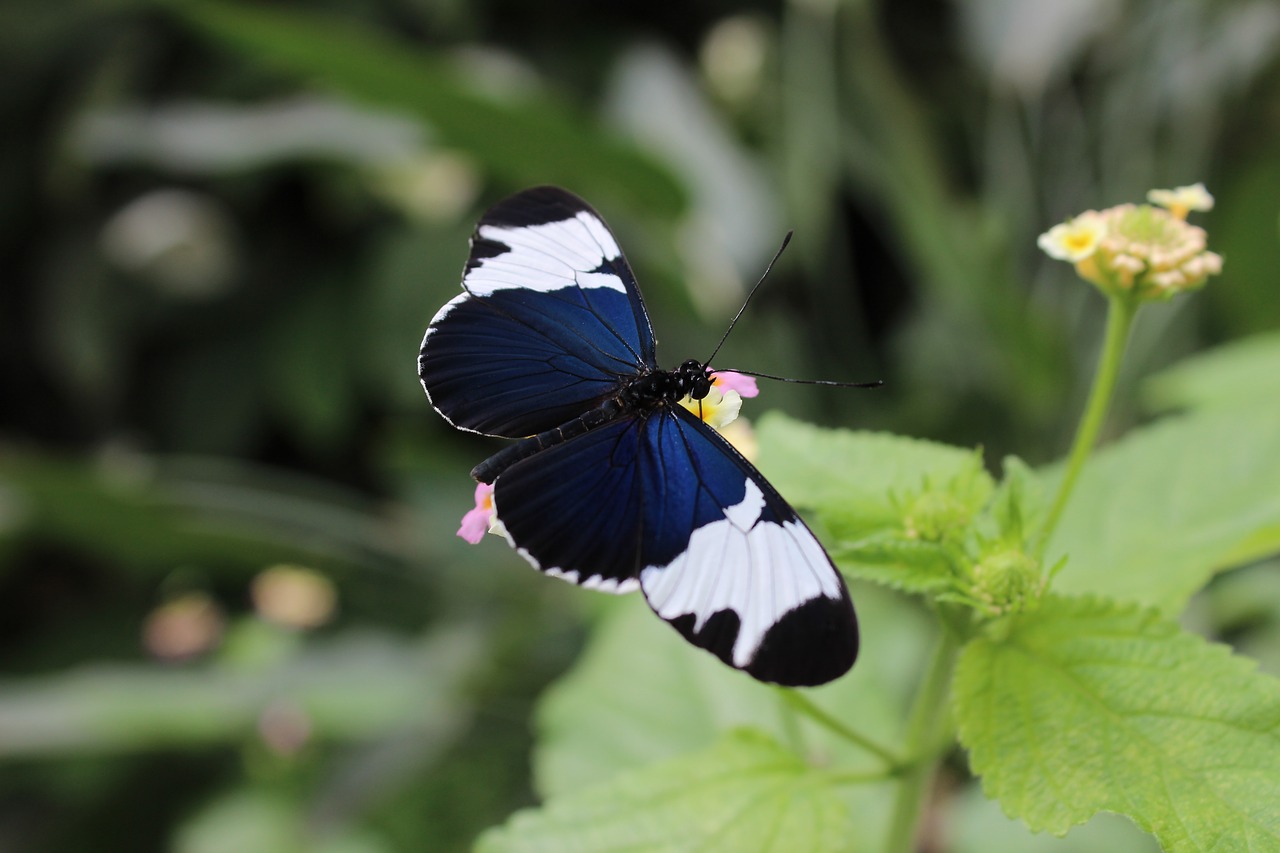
column 488, row 470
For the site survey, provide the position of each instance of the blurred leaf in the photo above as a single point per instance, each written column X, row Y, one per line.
column 525, row 139
column 252, row 820
column 1089, row 706
column 154, row 514
column 309, row 374
column 348, row 688
column 415, row 271
column 733, row 224
column 1243, row 229
column 198, row 137
column 1241, row 373
column 956, row 250
column 676, row 699
column 245, row 820
column 744, row 793
column 1156, row 514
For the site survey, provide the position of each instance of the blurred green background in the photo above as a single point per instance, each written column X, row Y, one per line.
column 233, row 613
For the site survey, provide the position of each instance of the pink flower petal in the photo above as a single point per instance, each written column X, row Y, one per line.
column 475, row 524
column 728, row 380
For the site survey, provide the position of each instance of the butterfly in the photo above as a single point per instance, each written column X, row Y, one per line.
column 612, row 484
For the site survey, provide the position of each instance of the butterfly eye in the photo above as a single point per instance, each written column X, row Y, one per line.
column 694, row 379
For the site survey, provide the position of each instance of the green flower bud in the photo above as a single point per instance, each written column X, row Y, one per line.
column 1006, row 581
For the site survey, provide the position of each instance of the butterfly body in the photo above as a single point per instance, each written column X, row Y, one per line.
column 643, row 392
column 613, row 484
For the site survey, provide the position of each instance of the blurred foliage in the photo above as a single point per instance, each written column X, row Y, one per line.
column 225, row 228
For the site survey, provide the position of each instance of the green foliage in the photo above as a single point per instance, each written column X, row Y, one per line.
column 345, row 690
column 1068, row 707
column 676, row 699
column 379, row 71
column 161, row 436
column 744, row 793
column 261, row 820
column 893, row 507
column 1239, row 374
column 1159, row 512
column 1089, row 706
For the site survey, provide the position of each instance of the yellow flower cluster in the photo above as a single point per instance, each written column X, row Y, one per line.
column 1147, row 252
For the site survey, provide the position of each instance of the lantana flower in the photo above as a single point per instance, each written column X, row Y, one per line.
column 1140, row 250
column 1179, row 201
column 1075, row 239
column 480, row 520
column 730, row 380
column 721, row 406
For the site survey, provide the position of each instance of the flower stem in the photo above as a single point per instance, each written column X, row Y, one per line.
column 928, row 716
column 1120, row 314
column 802, row 704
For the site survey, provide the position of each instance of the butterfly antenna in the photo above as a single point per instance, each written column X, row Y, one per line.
column 874, row 384
column 747, row 301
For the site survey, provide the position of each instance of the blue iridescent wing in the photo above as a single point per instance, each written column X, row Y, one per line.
column 730, row 564
column 549, row 324
column 661, row 501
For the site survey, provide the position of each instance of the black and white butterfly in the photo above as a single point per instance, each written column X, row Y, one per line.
column 614, row 485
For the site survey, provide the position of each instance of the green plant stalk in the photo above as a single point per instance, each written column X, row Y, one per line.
column 790, row 721
column 928, row 717
column 801, row 703
column 1120, row 314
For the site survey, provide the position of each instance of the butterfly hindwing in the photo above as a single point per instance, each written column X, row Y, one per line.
column 729, row 564
column 549, row 324
column 574, row 509
column 660, row 499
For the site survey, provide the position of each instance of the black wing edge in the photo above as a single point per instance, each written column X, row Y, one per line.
column 787, row 655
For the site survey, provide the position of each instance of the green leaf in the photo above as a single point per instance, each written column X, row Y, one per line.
column 896, row 561
column 524, row 138
column 850, row 476
column 675, row 698
column 641, row 694
column 886, row 502
column 1017, row 502
column 744, row 793
column 1237, row 374
column 1088, row 706
column 978, row 826
column 1155, row 515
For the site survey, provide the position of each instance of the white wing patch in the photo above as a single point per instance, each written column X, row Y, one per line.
column 547, row 257
column 760, row 570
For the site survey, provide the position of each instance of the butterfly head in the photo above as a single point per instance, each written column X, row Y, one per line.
column 692, row 379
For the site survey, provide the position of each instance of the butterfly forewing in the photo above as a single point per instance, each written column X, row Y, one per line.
column 549, row 323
